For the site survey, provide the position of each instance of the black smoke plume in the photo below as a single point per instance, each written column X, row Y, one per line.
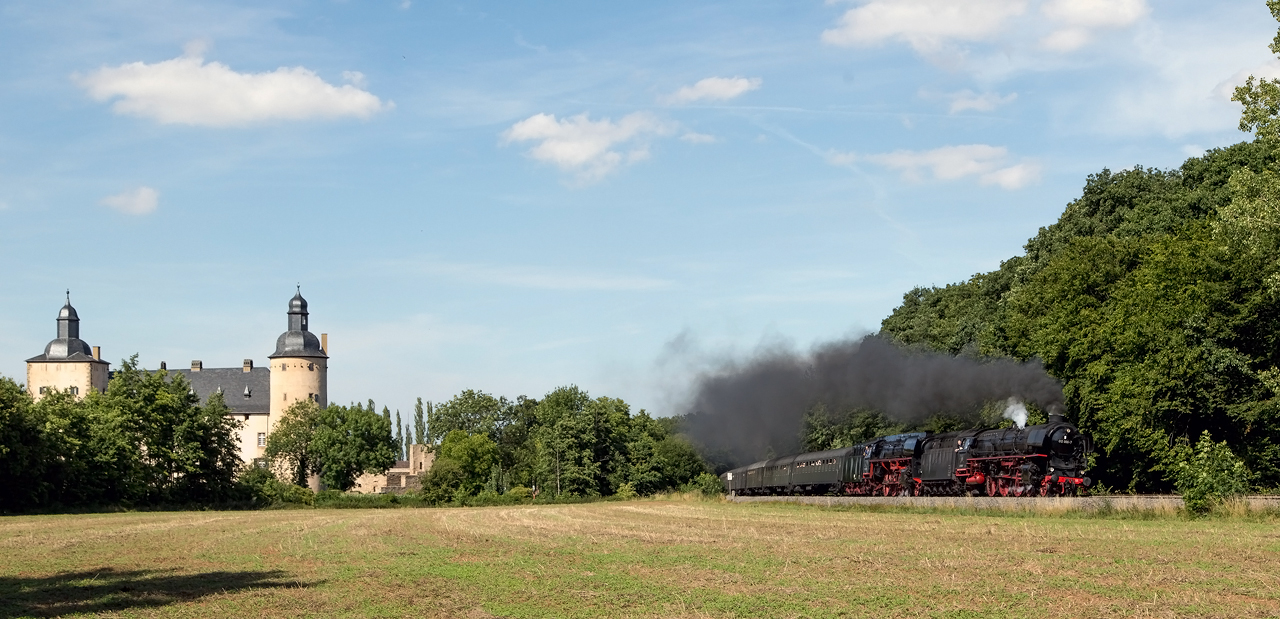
column 743, row 411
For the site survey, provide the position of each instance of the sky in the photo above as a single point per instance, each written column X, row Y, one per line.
column 513, row 197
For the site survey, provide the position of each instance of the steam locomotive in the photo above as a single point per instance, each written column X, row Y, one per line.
column 1042, row 460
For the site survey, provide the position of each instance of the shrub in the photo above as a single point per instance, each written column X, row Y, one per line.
column 707, row 484
column 626, row 492
column 520, row 494
column 265, row 489
column 1209, row 474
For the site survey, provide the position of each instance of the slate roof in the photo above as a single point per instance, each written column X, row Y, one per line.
column 233, row 382
column 298, row 344
column 66, row 350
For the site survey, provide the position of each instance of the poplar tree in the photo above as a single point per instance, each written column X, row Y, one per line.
column 399, row 429
column 419, row 424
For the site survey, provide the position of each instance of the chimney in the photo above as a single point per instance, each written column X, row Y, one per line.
column 324, row 342
column 97, row 353
column 248, row 365
column 197, row 365
column 163, row 366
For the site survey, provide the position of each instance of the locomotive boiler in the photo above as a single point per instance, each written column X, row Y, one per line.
column 1049, row 459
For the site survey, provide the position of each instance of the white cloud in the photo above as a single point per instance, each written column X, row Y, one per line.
column 990, row 164
column 926, row 25
column 586, row 147
column 1269, row 70
column 714, row 89
column 698, row 138
column 136, row 201
column 1077, row 19
column 187, row 90
column 984, row 102
column 356, row 78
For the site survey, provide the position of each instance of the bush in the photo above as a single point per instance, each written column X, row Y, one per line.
column 262, row 485
column 707, row 484
column 442, row 482
column 520, row 494
column 626, row 492
column 1209, row 474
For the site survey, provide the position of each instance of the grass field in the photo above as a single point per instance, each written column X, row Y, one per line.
column 638, row 558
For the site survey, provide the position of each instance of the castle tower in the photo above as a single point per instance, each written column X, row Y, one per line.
column 67, row 362
column 300, row 366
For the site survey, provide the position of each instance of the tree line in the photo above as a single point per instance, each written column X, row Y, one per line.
column 148, row 440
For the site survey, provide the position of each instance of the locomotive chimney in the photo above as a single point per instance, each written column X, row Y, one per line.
column 1055, row 415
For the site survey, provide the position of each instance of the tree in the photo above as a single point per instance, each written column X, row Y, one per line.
column 475, row 455
column 1209, row 474
column 24, row 450
column 400, row 435
column 292, row 443
column 350, row 441
column 471, row 412
column 206, row 452
column 419, row 424
column 338, row 443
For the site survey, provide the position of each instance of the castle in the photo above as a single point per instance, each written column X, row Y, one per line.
column 258, row 396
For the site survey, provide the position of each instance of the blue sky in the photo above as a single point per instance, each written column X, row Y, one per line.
column 517, row 196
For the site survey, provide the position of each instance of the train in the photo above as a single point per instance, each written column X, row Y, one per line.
column 1048, row 459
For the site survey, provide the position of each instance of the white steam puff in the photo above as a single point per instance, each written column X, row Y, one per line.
column 1015, row 410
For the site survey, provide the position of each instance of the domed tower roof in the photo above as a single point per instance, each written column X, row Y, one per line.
column 67, row 346
column 298, row 341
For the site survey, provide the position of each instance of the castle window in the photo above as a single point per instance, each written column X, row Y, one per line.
column 262, row 438
column 311, row 366
column 260, row 463
column 44, row 390
column 284, row 366
column 74, row 390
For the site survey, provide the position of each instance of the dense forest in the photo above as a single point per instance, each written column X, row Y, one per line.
column 1154, row 298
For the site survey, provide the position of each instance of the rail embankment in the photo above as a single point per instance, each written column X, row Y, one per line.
column 1119, row 502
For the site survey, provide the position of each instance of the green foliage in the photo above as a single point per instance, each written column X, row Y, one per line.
column 146, row 441
column 419, row 423
column 442, row 482
column 474, row 454
column 290, row 444
column 1209, row 474
column 338, row 443
column 520, row 494
column 626, row 492
column 824, row 429
column 265, row 489
column 472, row 412
column 566, row 445
column 707, row 484
column 349, row 441
column 401, row 438
column 1154, row 300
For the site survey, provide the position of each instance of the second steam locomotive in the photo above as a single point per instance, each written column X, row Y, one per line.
column 1042, row 460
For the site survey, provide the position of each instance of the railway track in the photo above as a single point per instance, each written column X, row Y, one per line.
column 1116, row 502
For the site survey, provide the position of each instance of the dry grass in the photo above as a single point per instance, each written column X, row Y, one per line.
column 672, row 558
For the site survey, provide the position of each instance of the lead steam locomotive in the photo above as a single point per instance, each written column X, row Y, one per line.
column 1042, row 460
